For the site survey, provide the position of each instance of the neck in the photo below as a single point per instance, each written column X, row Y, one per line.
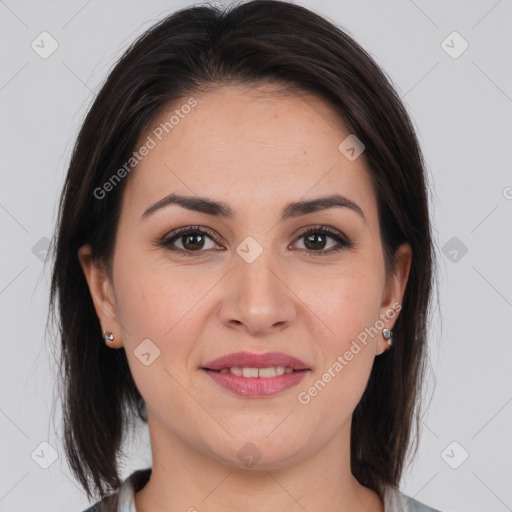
column 186, row 478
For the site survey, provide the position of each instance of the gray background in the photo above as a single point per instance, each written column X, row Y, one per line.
column 462, row 110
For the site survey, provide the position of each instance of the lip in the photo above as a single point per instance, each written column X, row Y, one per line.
column 254, row 360
column 256, row 387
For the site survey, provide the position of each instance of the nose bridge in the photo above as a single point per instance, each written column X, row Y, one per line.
column 257, row 282
column 259, row 299
column 257, row 278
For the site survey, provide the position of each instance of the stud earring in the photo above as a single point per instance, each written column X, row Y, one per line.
column 108, row 336
column 388, row 335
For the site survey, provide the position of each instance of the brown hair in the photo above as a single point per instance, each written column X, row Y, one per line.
column 192, row 50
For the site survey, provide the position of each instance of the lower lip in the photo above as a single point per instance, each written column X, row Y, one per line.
column 257, row 386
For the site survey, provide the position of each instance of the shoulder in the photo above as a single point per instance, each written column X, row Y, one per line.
column 123, row 500
column 108, row 504
column 416, row 506
column 396, row 501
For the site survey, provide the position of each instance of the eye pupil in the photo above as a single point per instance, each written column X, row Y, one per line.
column 195, row 245
column 314, row 237
column 193, row 241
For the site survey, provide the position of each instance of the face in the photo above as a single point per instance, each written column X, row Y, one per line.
column 309, row 285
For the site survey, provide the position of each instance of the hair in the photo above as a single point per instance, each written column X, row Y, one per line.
column 198, row 49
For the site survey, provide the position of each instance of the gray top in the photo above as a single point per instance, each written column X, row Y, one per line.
column 124, row 499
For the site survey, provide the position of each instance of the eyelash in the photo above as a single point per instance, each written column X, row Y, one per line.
column 167, row 240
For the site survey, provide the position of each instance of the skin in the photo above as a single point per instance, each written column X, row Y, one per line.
column 255, row 150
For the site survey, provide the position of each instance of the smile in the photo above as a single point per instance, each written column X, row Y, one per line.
column 256, row 382
column 258, row 372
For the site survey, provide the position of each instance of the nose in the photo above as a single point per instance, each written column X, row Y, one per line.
column 257, row 299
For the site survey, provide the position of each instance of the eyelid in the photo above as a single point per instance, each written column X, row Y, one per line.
column 342, row 240
column 323, row 228
column 175, row 234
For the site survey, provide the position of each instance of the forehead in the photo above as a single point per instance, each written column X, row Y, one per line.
column 257, row 146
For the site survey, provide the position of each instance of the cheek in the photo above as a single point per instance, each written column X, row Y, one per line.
column 347, row 302
column 151, row 295
column 350, row 307
column 158, row 302
column 154, row 305
column 348, row 352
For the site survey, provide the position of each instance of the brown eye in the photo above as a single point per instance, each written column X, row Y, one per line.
column 316, row 239
column 195, row 240
column 192, row 240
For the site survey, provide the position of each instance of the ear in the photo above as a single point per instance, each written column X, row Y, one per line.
column 102, row 293
column 394, row 291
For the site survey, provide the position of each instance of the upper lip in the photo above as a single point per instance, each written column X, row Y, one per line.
column 254, row 360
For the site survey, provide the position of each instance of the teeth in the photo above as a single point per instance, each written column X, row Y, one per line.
column 250, row 372
column 258, row 372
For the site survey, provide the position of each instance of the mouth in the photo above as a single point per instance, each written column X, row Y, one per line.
column 264, row 373
column 256, row 375
column 252, row 364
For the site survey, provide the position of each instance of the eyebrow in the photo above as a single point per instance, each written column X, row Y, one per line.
column 221, row 209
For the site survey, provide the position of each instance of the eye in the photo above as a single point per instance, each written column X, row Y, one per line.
column 316, row 238
column 194, row 239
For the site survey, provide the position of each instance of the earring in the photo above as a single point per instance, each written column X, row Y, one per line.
column 108, row 336
column 388, row 335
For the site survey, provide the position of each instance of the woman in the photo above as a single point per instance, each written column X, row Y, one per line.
column 244, row 261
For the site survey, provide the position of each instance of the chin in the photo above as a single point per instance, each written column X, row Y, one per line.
column 258, row 452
